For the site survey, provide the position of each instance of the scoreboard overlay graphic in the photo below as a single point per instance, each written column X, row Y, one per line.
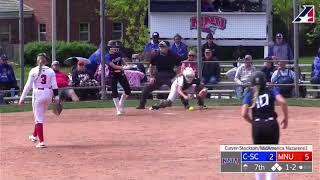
column 266, row 158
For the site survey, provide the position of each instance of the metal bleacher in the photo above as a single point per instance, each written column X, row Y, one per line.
column 224, row 89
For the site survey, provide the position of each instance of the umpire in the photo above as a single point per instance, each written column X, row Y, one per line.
column 161, row 71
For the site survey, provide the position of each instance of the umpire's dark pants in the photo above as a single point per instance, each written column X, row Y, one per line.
column 162, row 78
column 122, row 79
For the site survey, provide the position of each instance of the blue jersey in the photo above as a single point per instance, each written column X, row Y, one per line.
column 265, row 103
column 115, row 59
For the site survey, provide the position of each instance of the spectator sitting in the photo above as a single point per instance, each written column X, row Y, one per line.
column 211, row 70
column 238, row 55
column 280, row 50
column 224, row 5
column 283, row 75
column 82, row 78
column 215, row 5
column 315, row 74
column 7, row 77
column 179, row 47
column 190, row 62
column 206, row 6
column 136, row 61
column 240, row 5
column 140, row 66
column 63, row 81
column 243, row 75
column 134, row 77
column 210, row 45
column 268, row 68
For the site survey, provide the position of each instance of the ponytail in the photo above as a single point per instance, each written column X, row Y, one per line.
column 43, row 55
column 256, row 90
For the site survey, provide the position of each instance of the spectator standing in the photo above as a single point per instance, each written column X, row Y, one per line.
column 7, row 77
column 315, row 74
column 161, row 70
column 210, row 45
column 62, row 82
column 190, row 62
column 82, row 78
column 211, row 70
column 243, row 75
column 95, row 60
column 280, row 50
column 283, row 75
column 153, row 44
column 268, row 68
column 179, row 47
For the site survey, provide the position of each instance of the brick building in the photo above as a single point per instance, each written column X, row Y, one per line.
column 83, row 16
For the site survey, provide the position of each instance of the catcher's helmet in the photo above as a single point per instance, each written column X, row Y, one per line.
column 259, row 78
column 189, row 74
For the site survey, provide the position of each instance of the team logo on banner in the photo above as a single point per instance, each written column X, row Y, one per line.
column 306, row 16
column 209, row 23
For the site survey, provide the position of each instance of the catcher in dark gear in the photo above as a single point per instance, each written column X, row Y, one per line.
column 186, row 86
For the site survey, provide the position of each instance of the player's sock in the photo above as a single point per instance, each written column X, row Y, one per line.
column 165, row 103
column 260, row 176
column 40, row 131
column 200, row 102
column 116, row 103
column 35, row 130
column 185, row 102
column 122, row 99
column 270, row 176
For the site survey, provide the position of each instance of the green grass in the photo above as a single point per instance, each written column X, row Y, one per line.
column 133, row 103
column 306, row 60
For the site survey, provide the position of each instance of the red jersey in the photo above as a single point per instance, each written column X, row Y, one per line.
column 62, row 79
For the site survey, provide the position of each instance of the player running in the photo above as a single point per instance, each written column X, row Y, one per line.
column 184, row 85
column 117, row 65
column 42, row 80
column 261, row 100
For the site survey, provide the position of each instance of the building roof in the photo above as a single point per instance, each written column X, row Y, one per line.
column 9, row 9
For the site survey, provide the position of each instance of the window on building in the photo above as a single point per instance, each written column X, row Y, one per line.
column 5, row 33
column 117, row 31
column 42, row 35
column 84, row 32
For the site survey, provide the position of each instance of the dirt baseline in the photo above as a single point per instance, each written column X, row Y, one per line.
column 171, row 144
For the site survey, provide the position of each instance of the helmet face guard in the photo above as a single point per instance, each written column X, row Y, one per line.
column 113, row 46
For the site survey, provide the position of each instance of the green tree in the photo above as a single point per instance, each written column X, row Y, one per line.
column 132, row 14
column 313, row 32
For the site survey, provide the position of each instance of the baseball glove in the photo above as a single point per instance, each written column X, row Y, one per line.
column 57, row 108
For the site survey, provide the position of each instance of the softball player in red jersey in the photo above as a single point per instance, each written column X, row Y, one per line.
column 42, row 80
